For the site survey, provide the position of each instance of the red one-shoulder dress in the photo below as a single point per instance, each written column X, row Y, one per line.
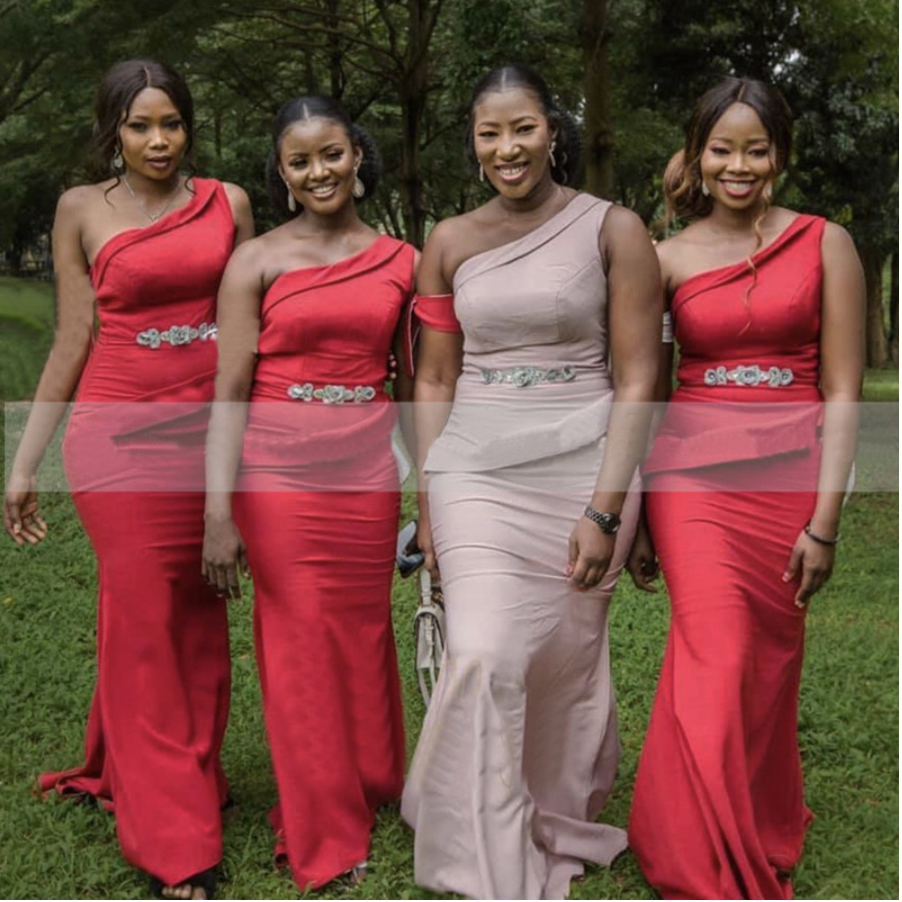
column 317, row 505
column 134, row 458
column 731, row 481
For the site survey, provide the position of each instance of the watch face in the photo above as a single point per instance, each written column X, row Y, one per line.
column 607, row 523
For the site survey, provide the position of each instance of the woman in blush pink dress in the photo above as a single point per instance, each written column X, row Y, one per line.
column 541, row 313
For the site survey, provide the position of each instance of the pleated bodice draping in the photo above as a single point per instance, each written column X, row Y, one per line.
column 735, row 316
column 539, row 301
column 321, row 326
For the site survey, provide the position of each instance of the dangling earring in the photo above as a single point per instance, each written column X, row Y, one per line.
column 768, row 192
column 481, row 173
column 292, row 200
column 705, row 189
column 359, row 188
column 551, row 154
column 117, row 164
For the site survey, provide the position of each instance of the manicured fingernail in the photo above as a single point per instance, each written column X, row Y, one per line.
column 17, row 527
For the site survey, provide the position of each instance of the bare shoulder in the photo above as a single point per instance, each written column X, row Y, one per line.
column 237, row 196
column 836, row 239
column 623, row 223
column 75, row 202
column 447, row 231
column 251, row 254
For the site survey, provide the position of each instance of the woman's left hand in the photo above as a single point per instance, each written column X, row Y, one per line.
column 590, row 556
column 815, row 561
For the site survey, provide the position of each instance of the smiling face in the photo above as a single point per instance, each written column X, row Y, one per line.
column 512, row 137
column 318, row 162
column 737, row 160
column 152, row 135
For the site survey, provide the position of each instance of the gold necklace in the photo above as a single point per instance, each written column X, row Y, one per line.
column 141, row 204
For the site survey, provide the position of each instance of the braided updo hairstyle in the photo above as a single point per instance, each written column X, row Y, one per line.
column 317, row 106
column 567, row 137
column 683, row 177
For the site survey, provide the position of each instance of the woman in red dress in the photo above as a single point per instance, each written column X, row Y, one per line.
column 744, row 494
column 134, row 459
column 307, row 316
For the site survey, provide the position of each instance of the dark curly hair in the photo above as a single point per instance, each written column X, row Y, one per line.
column 121, row 84
column 683, row 178
column 317, row 106
column 567, row 137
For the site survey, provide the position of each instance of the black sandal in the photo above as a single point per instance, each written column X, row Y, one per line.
column 205, row 880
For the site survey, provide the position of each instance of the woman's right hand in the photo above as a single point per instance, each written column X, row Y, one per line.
column 642, row 562
column 224, row 556
column 424, row 542
column 21, row 517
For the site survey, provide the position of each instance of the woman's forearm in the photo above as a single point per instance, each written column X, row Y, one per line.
column 225, row 440
column 838, row 446
column 625, row 445
column 55, row 389
column 433, row 400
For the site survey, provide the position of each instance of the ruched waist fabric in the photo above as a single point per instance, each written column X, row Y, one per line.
column 504, row 425
column 709, row 426
column 289, row 435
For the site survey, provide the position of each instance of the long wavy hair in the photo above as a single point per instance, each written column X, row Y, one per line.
column 683, row 177
column 683, row 194
column 118, row 90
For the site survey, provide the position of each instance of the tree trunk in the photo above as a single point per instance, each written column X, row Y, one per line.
column 413, row 91
column 336, row 73
column 594, row 38
column 872, row 258
column 894, row 308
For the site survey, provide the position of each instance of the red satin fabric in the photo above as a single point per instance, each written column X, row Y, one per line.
column 161, row 703
column 318, row 507
column 718, row 811
column 437, row 312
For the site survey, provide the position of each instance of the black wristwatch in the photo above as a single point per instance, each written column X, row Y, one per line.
column 607, row 523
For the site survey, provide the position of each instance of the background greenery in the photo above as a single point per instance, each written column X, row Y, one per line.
column 57, row 849
column 629, row 69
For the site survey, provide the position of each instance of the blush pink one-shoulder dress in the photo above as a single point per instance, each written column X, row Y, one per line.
column 519, row 749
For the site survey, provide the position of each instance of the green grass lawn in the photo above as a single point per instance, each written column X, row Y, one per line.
column 56, row 849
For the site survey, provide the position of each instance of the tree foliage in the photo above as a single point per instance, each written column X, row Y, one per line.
column 629, row 69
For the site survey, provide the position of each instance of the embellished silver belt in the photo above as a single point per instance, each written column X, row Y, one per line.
column 752, row 376
column 331, row 394
column 176, row 335
column 526, row 376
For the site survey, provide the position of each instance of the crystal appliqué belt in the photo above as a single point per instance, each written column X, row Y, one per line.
column 526, row 376
column 176, row 335
column 331, row 394
column 752, row 376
